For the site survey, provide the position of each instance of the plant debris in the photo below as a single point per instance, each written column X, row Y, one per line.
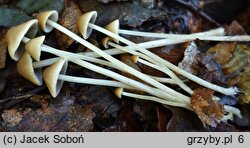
column 207, row 110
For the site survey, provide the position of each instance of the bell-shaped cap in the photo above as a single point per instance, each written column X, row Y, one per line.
column 114, row 27
column 51, row 76
column 83, row 23
column 25, row 68
column 43, row 17
column 135, row 58
column 118, row 92
column 16, row 34
column 33, row 47
column 105, row 42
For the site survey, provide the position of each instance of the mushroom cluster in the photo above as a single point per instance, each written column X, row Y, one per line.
column 26, row 48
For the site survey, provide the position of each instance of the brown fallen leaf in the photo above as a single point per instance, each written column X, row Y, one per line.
column 235, row 29
column 222, row 49
column 68, row 19
column 183, row 121
column 207, row 110
column 11, row 117
column 164, row 115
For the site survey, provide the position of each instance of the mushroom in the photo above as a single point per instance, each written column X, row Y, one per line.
column 32, row 72
column 57, row 71
column 48, row 18
column 16, row 35
column 55, row 75
column 115, row 28
column 26, row 69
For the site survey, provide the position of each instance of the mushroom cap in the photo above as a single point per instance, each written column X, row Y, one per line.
column 51, row 74
column 83, row 22
column 33, row 47
column 43, row 18
column 105, row 41
column 135, row 58
column 118, row 92
column 25, row 69
column 114, row 27
column 16, row 34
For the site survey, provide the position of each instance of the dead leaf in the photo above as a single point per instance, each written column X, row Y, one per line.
column 239, row 66
column 184, row 121
column 164, row 115
column 68, row 19
column 222, row 49
column 235, row 29
column 207, row 110
column 11, row 117
column 129, row 13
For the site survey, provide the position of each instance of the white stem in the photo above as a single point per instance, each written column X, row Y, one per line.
column 93, row 81
column 163, row 80
column 44, row 63
column 232, row 110
column 160, row 68
column 127, row 81
column 115, row 61
column 155, row 99
column 167, row 71
column 227, row 91
column 186, row 36
column 157, row 43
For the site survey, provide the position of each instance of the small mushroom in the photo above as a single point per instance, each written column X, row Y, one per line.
column 115, row 27
column 26, row 69
column 43, row 18
column 55, row 75
column 17, row 34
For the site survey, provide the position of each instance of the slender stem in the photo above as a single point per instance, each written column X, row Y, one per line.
column 160, row 68
column 166, row 71
column 155, row 99
column 93, row 81
column 157, row 43
column 227, row 91
column 163, row 80
column 44, row 63
column 127, row 81
column 186, row 36
column 115, row 61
